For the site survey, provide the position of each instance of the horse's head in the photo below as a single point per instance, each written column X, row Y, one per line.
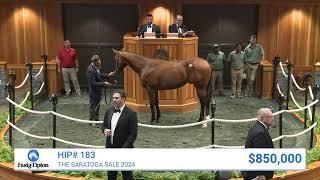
column 120, row 62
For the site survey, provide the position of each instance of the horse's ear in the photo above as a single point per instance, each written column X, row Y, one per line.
column 115, row 51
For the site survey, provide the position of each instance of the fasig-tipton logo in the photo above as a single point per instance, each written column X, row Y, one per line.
column 33, row 156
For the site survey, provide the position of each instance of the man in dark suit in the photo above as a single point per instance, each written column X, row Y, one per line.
column 95, row 82
column 259, row 137
column 178, row 27
column 120, row 126
column 149, row 27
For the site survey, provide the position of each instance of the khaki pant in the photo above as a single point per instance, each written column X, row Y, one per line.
column 251, row 75
column 217, row 75
column 236, row 77
column 67, row 74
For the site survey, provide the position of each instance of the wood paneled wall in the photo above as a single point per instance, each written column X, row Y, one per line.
column 27, row 30
column 288, row 28
column 290, row 31
column 163, row 12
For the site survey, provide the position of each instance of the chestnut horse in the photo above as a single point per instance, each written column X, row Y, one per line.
column 156, row 74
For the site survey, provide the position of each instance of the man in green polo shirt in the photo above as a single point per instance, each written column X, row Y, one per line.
column 237, row 58
column 216, row 60
column 254, row 53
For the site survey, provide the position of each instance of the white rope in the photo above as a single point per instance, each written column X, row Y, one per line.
column 25, row 109
column 294, row 135
column 278, row 112
column 25, row 99
column 38, row 72
column 296, row 103
column 39, row 89
column 176, row 126
column 235, row 121
column 75, row 144
column 155, row 126
column 23, row 82
column 303, row 108
column 283, row 72
column 279, row 90
column 274, row 139
column 76, row 119
column 311, row 93
column 26, row 133
column 295, row 83
column 51, row 137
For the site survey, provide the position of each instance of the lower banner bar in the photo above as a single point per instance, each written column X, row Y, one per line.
column 159, row 159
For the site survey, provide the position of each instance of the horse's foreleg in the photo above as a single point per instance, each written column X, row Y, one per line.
column 152, row 104
column 157, row 106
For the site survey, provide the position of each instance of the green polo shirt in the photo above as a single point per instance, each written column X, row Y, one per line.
column 216, row 60
column 254, row 54
column 237, row 59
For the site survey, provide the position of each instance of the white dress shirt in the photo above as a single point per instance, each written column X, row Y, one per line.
column 114, row 121
column 149, row 28
column 96, row 68
column 179, row 29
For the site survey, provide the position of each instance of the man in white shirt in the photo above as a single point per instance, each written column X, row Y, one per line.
column 120, row 126
column 149, row 27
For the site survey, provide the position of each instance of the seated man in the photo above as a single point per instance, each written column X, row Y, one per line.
column 178, row 27
column 149, row 27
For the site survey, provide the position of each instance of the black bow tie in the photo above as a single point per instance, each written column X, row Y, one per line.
column 116, row 110
column 149, row 26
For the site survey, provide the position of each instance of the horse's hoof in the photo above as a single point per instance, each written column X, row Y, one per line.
column 157, row 121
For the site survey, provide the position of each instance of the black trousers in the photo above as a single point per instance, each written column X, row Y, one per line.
column 126, row 175
column 94, row 108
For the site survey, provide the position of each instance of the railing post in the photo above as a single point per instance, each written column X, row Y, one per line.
column 315, row 92
column 213, row 111
column 275, row 62
column 281, row 100
column 289, row 66
column 54, row 100
column 44, row 57
column 13, row 83
column 30, row 66
column 306, row 79
column 10, row 88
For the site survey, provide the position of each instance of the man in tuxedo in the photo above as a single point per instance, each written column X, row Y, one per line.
column 149, row 27
column 95, row 82
column 178, row 27
column 120, row 126
column 259, row 137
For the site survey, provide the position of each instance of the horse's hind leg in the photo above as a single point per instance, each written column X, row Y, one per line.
column 152, row 104
column 202, row 97
column 157, row 106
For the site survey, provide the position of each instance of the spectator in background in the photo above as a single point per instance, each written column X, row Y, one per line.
column 68, row 63
column 254, row 53
column 237, row 58
column 216, row 60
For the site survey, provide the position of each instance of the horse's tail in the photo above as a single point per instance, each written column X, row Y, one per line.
column 209, row 89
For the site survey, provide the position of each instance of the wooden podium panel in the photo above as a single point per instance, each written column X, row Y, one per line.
column 182, row 99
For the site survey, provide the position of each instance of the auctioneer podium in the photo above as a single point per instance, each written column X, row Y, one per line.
column 182, row 99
